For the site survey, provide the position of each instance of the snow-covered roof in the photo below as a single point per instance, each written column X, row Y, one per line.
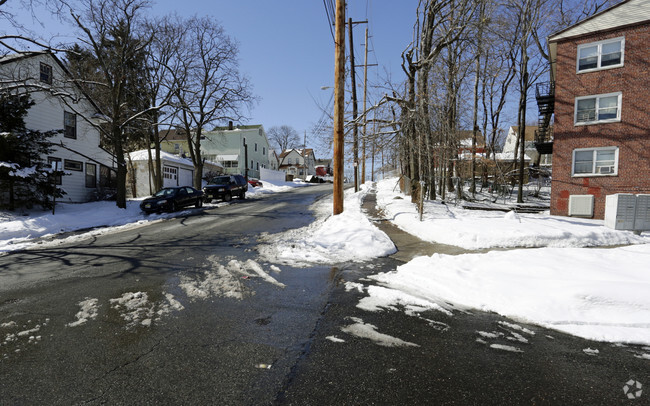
column 142, row 155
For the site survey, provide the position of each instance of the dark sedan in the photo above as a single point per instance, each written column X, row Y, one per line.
column 172, row 199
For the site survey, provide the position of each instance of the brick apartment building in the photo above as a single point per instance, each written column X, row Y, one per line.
column 601, row 74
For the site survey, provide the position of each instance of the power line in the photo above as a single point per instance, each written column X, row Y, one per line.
column 329, row 11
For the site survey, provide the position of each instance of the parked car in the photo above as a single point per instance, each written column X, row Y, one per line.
column 172, row 199
column 255, row 183
column 225, row 188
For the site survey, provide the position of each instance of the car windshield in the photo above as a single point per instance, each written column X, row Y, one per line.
column 220, row 180
column 165, row 192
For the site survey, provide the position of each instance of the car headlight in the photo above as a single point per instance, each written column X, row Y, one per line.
column 162, row 202
column 222, row 189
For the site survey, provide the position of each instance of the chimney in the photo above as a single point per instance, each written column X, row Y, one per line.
column 230, row 125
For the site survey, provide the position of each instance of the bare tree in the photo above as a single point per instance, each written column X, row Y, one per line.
column 284, row 137
column 108, row 31
column 211, row 89
column 162, row 61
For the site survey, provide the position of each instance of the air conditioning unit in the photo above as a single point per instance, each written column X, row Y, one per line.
column 605, row 169
column 581, row 205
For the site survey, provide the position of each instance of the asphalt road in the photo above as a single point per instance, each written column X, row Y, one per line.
column 240, row 338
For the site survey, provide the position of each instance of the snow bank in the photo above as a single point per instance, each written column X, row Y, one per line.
column 599, row 294
column 348, row 236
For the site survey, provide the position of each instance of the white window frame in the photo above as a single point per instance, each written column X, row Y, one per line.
column 598, row 97
column 595, row 171
column 600, row 44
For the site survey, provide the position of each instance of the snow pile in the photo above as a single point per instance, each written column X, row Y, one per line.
column 225, row 281
column 88, row 311
column 364, row 330
column 599, row 294
column 477, row 229
column 348, row 236
column 16, row 232
column 135, row 308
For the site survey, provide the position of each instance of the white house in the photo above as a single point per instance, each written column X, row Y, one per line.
column 298, row 162
column 530, row 151
column 60, row 104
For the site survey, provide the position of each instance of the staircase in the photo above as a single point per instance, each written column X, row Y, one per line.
column 545, row 95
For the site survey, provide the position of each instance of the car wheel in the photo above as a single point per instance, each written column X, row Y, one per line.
column 199, row 203
column 227, row 197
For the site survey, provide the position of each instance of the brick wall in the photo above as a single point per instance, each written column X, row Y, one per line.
column 631, row 135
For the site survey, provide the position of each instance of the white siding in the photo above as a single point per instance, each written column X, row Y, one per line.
column 47, row 114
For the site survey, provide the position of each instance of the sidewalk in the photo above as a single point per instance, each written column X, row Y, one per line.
column 408, row 245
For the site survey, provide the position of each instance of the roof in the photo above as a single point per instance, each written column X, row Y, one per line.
column 172, row 134
column 625, row 13
column 530, row 131
column 308, row 151
column 30, row 54
column 238, row 127
column 142, row 155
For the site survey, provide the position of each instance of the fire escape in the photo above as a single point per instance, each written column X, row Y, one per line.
column 545, row 95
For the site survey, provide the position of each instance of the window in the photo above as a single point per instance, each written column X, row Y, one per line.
column 91, row 175
column 595, row 161
column 71, row 165
column 263, row 150
column 255, row 147
column 58, row 180
column 598, row 109
column 46, row 73
column 601, row 55
column 170, row 173
column 257, row 166
column 69, row 125
column 106, row 177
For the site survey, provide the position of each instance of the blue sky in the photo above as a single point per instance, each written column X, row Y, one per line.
column 286, row 48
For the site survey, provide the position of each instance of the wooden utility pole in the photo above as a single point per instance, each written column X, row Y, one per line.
column 339, row 92
column 365, row 113
column 355, row 126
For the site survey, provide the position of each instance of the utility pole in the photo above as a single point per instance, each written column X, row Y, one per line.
column 339, row 92
column 355, row 130
column 365, row 113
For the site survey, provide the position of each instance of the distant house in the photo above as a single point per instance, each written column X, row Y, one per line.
column 324, row 167
column 274, row 161
column 239, row 149
column 298, row 163
column 60, row 104
column 600, row 95
column 530, row 151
